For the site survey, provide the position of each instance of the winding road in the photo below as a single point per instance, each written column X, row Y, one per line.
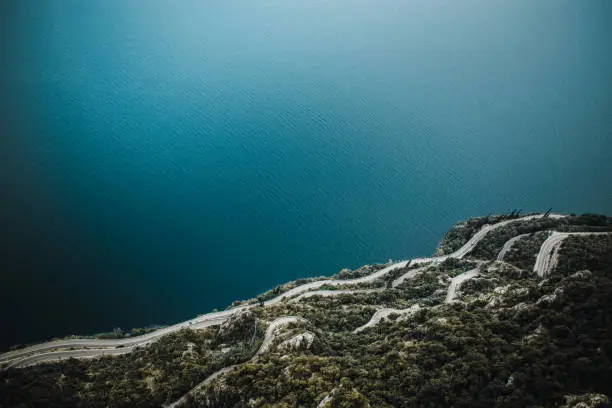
column 96, row 347
column 327, row 400
column 328, row 293
column 39, row 353
column 508, row 245
column 471, row 244
column 548, row 256
column 451, row 294
column 380, row 314
column 411, row 274
column 271, row 333
column 88, row 348
column 456, row 283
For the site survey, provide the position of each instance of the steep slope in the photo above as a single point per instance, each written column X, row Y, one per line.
column 467, row 329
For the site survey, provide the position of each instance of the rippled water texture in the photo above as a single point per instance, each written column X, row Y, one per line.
column 162, row 158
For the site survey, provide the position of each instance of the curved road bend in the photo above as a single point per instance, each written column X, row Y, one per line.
column 548, row 256
column 382, row 313
column 450, row 296
column 476, row 238
column 265, row 346
column 64, row 355
column 411, row 274
column 215, row 318
column 199, row 322
column 456, row 283
column 317, row 284
column 210, row 319
column 508, row 245
column 87, row 351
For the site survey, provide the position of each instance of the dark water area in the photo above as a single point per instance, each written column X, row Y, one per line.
column 159, row 159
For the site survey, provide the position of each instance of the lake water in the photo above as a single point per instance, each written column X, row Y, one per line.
column 159, row 159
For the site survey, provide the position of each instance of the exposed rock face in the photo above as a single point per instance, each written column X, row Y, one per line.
column 326, row 402
column 385, row 313
column 582, row 275
column 365, row 270
column 502, row 294
column 548, row 299
column 190, row 353
column 238, row 325
column 533, row 336
column 585, row 401
column 301, row 341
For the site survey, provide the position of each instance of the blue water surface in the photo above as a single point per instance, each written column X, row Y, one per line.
column 160, row 159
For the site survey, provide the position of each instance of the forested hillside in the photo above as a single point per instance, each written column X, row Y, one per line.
column 472, row 331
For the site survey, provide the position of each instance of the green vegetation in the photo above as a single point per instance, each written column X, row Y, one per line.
column 510, row 340
column 460, row 355
column 358, row 273
column 525, row 250
column 461, row 233
column 591, row 252
column 119, row 333
column 280, row 289
column 274, row 292
column 148, row 377
column 490, row 246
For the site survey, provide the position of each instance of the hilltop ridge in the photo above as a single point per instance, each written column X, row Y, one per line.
column 512, row 311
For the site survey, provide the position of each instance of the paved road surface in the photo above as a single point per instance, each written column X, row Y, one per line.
column 471, row 244
column 271, row 331
column 95, row 347
column 202, row 321
column 101, row 347
column 508, row 245
column 411, row 274
column 328, row 293
column 382, row 313
column 327, row 400
column 265, row 346
column 548, row 256
column 64, row 355
column 456, row 283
